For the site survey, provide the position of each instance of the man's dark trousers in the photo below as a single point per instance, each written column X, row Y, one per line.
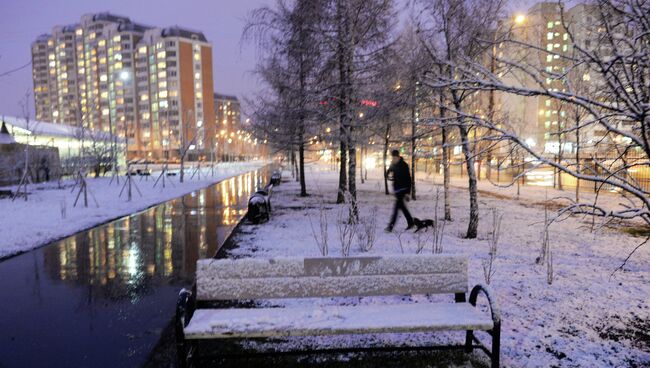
column 400, row 205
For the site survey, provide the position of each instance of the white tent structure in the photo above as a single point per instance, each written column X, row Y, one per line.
column 68, row 139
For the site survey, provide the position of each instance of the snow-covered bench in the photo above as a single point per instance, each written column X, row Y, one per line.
column 280, row 278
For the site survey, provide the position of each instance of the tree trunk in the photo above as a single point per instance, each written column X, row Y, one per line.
column 182, row 177
column 295, row 167
column 385, row 158
column 413, row 127
column 577, row 160
column 445, row 169
column 472, row 227
column 301, row 158
column 352, row 176
column 343, row 177
column 292, row 160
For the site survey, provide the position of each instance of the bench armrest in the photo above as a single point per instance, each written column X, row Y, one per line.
column 494, row 309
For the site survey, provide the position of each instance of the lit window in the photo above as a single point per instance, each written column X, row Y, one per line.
column 103, row 78
column 586, row 77
column 162, row 94
column 549, row 58
column 101, row 43
column 549, row 47
column 549, row 36
column 197, row 75
column 549, row 25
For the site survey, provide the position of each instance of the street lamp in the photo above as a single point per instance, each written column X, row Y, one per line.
column 520, row 18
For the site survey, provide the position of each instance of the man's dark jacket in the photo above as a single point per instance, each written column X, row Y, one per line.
column 401, row 176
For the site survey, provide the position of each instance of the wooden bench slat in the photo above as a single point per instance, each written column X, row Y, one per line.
column 330, row 320
column 333, row 266
column 304, row 287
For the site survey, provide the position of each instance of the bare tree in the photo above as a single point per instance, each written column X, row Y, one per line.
column 450, row 31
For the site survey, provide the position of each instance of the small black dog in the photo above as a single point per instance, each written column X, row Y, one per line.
column 422, row 224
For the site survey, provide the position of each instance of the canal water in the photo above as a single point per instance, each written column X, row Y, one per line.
column 102, row 297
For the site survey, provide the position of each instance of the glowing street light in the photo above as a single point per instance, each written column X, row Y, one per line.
column 520, row 18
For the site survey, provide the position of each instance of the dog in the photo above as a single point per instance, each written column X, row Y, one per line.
column 422, row 224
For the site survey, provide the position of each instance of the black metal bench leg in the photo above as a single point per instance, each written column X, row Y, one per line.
column 469, row 337
column 496, row 345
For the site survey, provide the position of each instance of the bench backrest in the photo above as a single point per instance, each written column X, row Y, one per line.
column 251, row 278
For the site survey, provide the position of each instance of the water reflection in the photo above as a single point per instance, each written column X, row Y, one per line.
column 124, row 275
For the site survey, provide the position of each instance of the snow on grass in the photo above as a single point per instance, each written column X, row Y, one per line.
column 26, row 225
column 586, row 318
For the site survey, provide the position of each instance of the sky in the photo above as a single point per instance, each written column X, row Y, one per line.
column 221, row 21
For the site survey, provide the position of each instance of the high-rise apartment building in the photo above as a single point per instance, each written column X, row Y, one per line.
column 548, row 27
column 228, row 115
column 144, row 83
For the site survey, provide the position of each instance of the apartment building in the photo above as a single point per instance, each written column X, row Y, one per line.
column 144, row 83
column 228, row 115
column 552, row 29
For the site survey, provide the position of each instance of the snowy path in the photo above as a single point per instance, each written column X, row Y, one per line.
column 586, row 318
column 48, row 214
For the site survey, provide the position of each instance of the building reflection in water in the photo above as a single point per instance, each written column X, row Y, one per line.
column 126, row 258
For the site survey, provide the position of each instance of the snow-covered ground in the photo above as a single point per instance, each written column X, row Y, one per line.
column 588, row 317
column 48, row 214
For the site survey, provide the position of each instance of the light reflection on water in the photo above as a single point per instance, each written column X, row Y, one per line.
column 101, row 297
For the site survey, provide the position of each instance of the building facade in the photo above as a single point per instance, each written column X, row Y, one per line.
column 228, row 115
column 553, row 29
column 144, row 83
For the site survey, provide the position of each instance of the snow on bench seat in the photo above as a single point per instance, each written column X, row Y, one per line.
column 332, row 320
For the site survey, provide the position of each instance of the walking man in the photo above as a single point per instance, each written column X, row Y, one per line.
column 399, row 173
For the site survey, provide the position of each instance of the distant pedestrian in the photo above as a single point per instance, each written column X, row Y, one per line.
column 399, row 173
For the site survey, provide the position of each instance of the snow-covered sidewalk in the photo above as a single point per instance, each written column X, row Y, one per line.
column 586, row 318
column 48, row 214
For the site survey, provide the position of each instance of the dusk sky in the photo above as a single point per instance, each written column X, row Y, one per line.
column 221, row 22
